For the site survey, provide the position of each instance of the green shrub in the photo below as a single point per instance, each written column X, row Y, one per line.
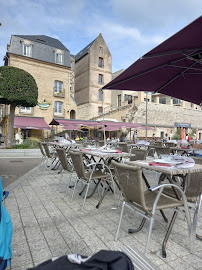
column 30, row 143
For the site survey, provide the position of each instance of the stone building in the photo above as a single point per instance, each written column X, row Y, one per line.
column 48, row 61
column 92, row 71
column 165, row 114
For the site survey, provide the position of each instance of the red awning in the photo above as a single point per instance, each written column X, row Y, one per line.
column 66, row 122
column 30, row 123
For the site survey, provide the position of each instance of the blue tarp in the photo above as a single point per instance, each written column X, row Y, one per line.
column 5, row 234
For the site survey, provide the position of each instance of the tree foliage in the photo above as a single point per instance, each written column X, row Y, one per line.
column 17, row 86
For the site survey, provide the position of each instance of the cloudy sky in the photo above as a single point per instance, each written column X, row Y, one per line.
column 129, row 27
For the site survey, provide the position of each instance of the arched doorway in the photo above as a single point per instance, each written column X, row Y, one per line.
column 72, row 114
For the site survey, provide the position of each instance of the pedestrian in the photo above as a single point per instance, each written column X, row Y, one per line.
column 0, row 138
column 67, row 136
column 187, row 137
column 165, row 138
column 153, row 137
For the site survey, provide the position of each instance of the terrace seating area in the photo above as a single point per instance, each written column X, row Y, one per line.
column 55, row 214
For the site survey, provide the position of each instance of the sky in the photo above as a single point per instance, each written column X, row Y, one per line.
column 130, row 28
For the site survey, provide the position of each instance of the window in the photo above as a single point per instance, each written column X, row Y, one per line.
column 25, row 109
column 59, row 58
column 58, row 108
column 162, row 100
column 100, row 110
column 176, row 101
column 119, row 100
column 101, row 62
column 100, row 95
column 58, row 89
column 128, row 98
column 100, row 79
column 101, row 48
column 26, row 49
column 71, row 88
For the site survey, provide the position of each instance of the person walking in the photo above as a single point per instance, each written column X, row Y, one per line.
column 0, row 137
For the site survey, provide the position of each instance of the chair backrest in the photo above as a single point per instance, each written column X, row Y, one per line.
column 198, row 160
column 45, row 146
column 77, row 160
column 162, row 150
column 158, row 144
column 41, row 148
column 63, row 159
column 193, row 186
column 169, row 144
column 131, row 184
column 140, row 154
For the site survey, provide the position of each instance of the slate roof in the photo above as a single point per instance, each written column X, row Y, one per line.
column 53, row 42
column 83, row 52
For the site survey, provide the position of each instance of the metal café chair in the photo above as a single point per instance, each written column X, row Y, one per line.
column 49, row 155
column 146, row 202
column 162, row 151
column 87, row 176
column 192, row 186
column 42, row 164
column 66, row 166
column 140, row 154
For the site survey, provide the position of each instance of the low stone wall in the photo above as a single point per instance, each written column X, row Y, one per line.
column 20, row 153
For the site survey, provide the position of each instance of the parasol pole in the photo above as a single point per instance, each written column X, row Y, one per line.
column 101, row 90
column 146, row 115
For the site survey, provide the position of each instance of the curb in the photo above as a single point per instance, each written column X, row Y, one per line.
column 20, row 179
column 20, row 153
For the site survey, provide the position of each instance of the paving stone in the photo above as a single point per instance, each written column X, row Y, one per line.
column 46, row 224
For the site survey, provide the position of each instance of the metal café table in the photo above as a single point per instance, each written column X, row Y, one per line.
column 106, row 156
column 184, row 150
column 169, row 173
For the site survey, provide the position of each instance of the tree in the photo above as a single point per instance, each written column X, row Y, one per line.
column 17, row 88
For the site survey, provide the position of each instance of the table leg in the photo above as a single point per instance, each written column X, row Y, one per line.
column 168, row 234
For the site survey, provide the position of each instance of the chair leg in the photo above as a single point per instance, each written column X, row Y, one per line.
column 85, row 196
column 75, row 184
column 68, row 183
column 61, row 176
column 114, row 188
column 195, row 220
column 120, row 219
column 149, row 235
column 120, row 197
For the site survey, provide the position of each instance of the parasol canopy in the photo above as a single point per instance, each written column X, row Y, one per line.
column 173, row 68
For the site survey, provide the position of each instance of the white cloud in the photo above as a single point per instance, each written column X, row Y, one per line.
column 130, row 27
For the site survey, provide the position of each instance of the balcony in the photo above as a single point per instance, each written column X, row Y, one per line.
column 59, row 94
column 101, row 65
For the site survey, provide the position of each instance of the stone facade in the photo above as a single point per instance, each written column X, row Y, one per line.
column 92, row 71
column 45, row 75
column 53, row 76
column 160, row 117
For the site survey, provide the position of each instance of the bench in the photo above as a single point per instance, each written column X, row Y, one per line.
column 140, row 262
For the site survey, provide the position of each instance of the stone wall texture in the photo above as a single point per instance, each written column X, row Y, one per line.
column 45, row 74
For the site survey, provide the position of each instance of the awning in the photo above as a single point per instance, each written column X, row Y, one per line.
column 30, row 123
column 66, row 122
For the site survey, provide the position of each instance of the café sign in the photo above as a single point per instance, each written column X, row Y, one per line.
column 184, row 125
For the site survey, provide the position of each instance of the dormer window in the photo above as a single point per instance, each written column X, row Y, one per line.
column 59, row 57
column 27, row 49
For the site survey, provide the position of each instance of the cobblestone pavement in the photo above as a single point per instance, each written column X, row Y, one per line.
column 46, row 224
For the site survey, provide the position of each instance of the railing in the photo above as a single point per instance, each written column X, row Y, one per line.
column 59, row 94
